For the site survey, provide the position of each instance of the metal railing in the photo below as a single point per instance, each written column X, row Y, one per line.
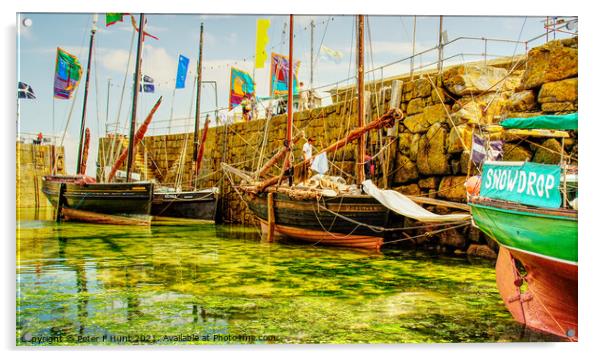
column 180, row 125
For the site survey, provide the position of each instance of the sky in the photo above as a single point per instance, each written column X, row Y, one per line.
column 229, row 41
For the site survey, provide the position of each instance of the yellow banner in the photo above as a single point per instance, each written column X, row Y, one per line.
column 261, row 42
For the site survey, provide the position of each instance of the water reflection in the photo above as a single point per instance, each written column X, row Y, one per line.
column 189, row 282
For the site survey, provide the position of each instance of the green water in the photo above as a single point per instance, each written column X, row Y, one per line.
column 204, row 284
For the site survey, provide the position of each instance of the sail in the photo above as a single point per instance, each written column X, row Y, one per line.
column 401, row 204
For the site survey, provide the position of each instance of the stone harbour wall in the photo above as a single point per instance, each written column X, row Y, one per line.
column 33, row 162
column 426, row 154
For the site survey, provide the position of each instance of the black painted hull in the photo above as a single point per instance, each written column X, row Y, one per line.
column 331, row 221
column 115, row 199
column 188, row 205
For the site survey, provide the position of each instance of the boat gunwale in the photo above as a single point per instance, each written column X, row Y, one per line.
column 517, row 208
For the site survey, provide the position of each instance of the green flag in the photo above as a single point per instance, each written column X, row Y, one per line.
column 113, row 17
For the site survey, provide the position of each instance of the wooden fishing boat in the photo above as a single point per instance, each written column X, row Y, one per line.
column 327, row 221
column 537, row 230
column 80, row 198
column 187, row 204
column 192, row 204
column 349, row 219
column 107, row 203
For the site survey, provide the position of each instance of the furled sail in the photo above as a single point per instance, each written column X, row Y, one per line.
column 401, row 204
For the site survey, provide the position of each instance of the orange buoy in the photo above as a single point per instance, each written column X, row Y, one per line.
column 473, row 185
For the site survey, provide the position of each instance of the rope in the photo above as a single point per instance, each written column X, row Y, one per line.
column 430, row 233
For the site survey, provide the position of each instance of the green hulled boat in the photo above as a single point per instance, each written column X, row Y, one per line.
column 531, row 212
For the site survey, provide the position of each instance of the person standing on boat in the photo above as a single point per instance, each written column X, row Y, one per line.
column 307, row 152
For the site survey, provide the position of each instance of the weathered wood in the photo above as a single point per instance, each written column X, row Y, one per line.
column 59, row 202
column 361, row 143
column 386, row 120
column 439, row 202
column 527, row 132
column 271, row 219
column 84, row 164
column 263, row 170
column 101, row 218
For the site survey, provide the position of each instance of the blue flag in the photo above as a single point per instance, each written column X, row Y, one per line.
column 182, row 70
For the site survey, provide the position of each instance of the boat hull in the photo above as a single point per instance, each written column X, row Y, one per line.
column 314, row 221
column 200, row 205
column 131, row 200
column 544, row 242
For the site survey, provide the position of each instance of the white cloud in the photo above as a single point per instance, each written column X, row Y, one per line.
column 115, row 59
column 162, row 64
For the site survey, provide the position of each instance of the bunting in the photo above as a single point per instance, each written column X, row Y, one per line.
column 261, row 41
column 279, row 74
column 67, row 74
column 241, row 87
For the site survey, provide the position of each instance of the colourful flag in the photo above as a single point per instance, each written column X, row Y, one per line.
column 147, row 85
column 112, row 18
column 25, row 91
column 330, row 54
column 261, row 40
column 241, row 87
column 279, row 75
column 182, row 70
column 68, row 72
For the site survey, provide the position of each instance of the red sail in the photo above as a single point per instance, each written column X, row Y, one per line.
column 85, row 152
column 137, row 138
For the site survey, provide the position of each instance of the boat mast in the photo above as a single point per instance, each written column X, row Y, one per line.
column 311, row 55
column 197, row 115
column 361, row 143
column 291, row 69
column 83, row 125
column 135, row 97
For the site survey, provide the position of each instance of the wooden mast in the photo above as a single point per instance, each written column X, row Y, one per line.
column 289, row 119
column 361, row 143
column 197, row 115
column 291, row 70
column 135, row 97
column 83, row 124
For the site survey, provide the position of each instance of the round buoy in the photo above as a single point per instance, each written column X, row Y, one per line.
column 473, row 185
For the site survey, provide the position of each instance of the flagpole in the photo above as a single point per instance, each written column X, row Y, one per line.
column 83, row 124
column 135, row 98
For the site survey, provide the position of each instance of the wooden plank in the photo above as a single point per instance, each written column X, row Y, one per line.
column 527, row 132
column 271, row 218
column 439, row 202
column 59, row 202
